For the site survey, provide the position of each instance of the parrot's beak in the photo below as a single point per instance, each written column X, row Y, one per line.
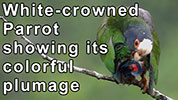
column 139, row 54
column 136, row 56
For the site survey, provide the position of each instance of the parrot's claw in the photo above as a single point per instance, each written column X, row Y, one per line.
column 132, row 79
column 143, row 80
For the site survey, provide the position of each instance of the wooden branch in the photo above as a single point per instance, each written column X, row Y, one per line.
column 156, row 94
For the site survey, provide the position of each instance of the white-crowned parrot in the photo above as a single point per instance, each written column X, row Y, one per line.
column 133, row 48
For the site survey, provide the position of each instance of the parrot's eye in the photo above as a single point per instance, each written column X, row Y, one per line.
column 136, row 43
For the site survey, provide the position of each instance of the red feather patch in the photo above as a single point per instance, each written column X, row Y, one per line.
column 135, row 68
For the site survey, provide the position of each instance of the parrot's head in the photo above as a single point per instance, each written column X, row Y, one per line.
column 139, row 41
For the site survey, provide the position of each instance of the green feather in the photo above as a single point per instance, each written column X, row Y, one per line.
column 110, row 36
column 104, row 36
column 155, row 56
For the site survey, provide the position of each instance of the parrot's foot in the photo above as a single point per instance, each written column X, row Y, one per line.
column 143, row 80
column 132, row 79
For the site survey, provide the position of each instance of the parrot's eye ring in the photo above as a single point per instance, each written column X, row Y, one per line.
column 136, row 43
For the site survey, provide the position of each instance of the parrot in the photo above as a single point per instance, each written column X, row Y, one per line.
column 133, row 48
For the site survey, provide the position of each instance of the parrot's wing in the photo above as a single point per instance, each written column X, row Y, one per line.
column 155, row 56
column 104, row 36
column 111, row 37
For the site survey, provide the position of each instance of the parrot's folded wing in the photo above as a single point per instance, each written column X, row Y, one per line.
column 104, row 36
column 155, row 56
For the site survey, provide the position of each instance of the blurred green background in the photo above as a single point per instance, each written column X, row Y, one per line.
column 79, row 29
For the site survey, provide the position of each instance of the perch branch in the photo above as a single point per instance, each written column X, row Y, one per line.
column 156, row 94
